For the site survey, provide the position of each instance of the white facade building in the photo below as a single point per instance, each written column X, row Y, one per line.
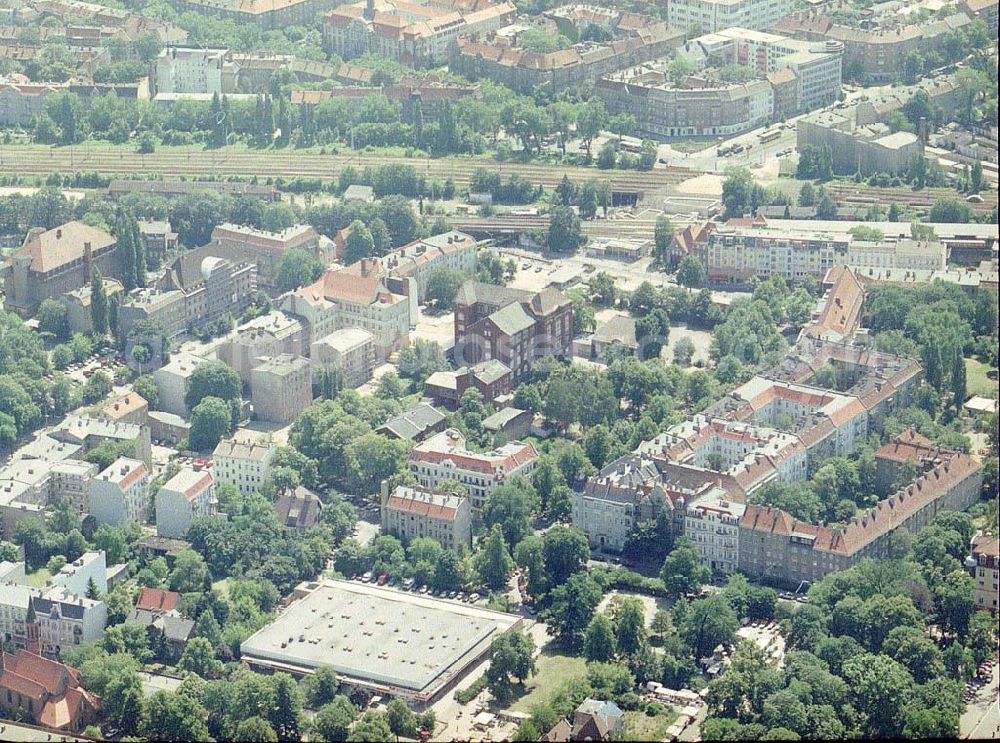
column 120, row 493
column 75, row 576
column 712, row 523
column 444, row 457
column 244, row 465
column 708, row 16
column 186, row 496
column 187, row 70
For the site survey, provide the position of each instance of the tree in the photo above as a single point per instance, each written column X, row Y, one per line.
column 682, row 571
column 359, row 244
column 683, row 352
column 172, row 716
column 212, row 379
column 571, row 607
column 199, row 658
column 599, row 639
column 493, row 562
column 630, row 626
column 880, row 688
column 333, row 721
column 286, row 715
column 510, row 506
column 52, row 319
column 123, row 702
column 98, row 303
column 255, row 729
column 190, row 573
column 691, row 273
column 211, row 420
column 591, row 118
column 297, row 268
column 950, row 210
column 958, row 384
column 442, row 286
column 707, row 623
column 565, row 234
column 371, row 728
column 511, row 657
column 565, row 551
column 401, row 719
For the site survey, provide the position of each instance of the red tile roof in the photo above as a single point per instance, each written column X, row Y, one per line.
column 157, row 600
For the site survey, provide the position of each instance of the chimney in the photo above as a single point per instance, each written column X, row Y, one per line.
column 922, row 130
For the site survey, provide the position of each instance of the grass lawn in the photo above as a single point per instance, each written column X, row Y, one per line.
column 38, row 578
column 553, row 670
column 977, row 383
column 640, row 726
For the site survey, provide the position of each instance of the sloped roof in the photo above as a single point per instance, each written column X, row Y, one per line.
column 64, row 244
column 157, row 600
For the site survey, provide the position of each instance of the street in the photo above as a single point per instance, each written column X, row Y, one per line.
column 981, row 720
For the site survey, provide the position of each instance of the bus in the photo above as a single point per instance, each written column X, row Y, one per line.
column 769, row 136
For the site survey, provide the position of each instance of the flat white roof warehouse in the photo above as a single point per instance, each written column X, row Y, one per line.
column 404, row 644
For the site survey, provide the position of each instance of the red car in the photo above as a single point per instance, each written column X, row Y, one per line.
column 383, row 578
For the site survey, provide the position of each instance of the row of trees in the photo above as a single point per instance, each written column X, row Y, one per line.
column 861, row 661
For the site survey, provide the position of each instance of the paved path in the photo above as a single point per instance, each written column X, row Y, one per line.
column 981, row 720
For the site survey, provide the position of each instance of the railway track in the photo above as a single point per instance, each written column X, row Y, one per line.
column 38, row 160
column 923, row 199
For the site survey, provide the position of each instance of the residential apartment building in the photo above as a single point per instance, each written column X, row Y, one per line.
column 195, row 70
column 268, row 335
column 511, row 326
column 634, row 39
column 985, row 567
column 776, row 546
column 410, row 513
column 120, row 493
column 712, row 523
column 70, row 479
column 281, row 388
column 624, row 493
column 21, row 101
column 736, row 251
column 197, row 287
column 183, row 498
column 128, row 408
column 243, row 464
column 416, row 33
column 86, row 433
column 708, row 16
column 266, row 249
column 51, row 263
column 267, row 14
column 172, row 379
column 702, row 106
column 54, row 618
column 354, row 297
column 349, row 352
column 413, row 264
column 445, row 457
column 814, row 67
column 44, row 693
column 77, row 576
column 429, row 99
